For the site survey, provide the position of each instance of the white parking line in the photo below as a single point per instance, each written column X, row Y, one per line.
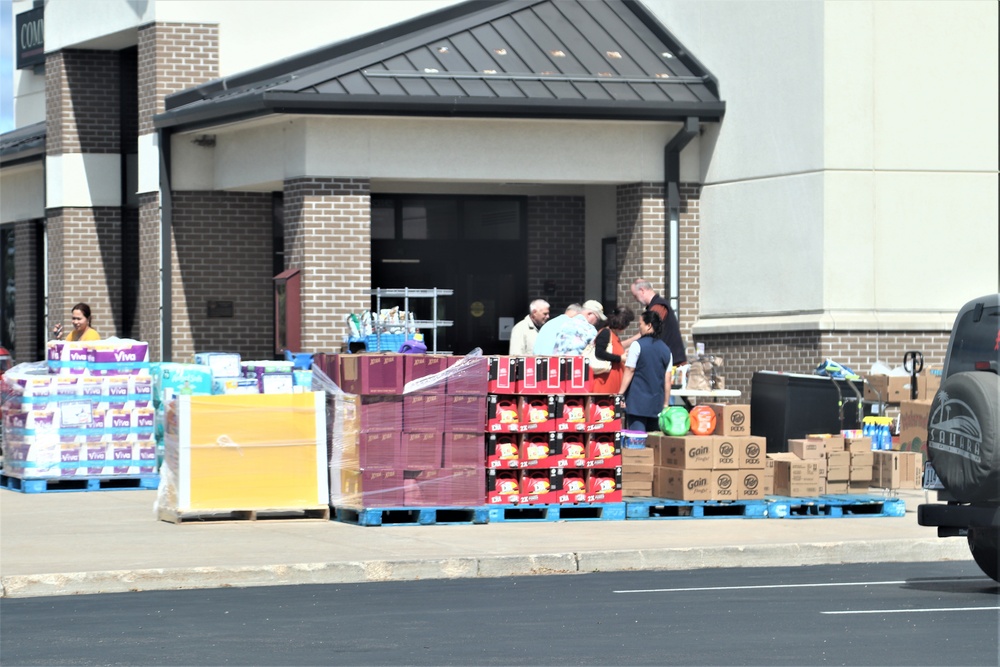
column 761, row 587
column 910, row 611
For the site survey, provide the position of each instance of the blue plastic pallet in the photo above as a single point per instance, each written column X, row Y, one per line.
column 64, row 484
column 834, row 506
column 666, row 508
column 412, row 516
column 542, row 513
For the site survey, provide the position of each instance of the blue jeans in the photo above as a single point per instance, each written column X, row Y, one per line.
column 639, row 423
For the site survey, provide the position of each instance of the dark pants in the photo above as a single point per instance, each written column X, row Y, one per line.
column 637, row 423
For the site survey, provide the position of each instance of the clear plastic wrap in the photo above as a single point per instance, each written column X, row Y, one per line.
column 243, row 452
column 421, row 445
column 58, row 424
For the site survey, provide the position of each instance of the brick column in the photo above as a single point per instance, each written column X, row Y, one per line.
column 171, row 57
column 556, row 249
column 82, row 100
column 641, row 237
column 328, row 237
column 689, row 271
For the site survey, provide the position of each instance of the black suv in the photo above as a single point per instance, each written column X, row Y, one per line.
column 963, row 443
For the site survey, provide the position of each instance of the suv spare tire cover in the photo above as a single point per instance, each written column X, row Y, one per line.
column 962, row 436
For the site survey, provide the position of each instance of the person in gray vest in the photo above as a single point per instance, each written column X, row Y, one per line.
column 646, row 381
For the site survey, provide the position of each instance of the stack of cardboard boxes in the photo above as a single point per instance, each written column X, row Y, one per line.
column 912, row 414
column 827, row 464
column 727, row 465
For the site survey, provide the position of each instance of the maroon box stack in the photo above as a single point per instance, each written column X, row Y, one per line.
column 408, row 432
column 549, row 440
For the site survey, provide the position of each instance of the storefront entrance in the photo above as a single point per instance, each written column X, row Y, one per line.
column 475, row 246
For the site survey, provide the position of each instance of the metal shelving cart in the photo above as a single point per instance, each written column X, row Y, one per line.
column 406, row 294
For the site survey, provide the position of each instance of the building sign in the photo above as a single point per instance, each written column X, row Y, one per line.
column 30, row 38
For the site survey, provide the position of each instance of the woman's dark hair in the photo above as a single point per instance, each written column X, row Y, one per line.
column 621, row 318
column 83, row 308
column 652, row 318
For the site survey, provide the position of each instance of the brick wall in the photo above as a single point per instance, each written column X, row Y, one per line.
column 172, row 57
column 82, row 102
column 85, row 265
column 328, row 237
column 556, row 247
column 27, row 319
column 642, row 250
column 802, row 351
column 222, row 249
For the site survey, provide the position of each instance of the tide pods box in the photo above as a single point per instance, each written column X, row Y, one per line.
column 223, row 364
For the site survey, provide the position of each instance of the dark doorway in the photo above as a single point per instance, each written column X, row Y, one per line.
column 474, row 246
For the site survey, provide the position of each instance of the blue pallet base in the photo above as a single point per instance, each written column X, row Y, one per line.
column 834, row 506
column 412, row 516
column 73, row 484
column 543, row 513
column 666, row 508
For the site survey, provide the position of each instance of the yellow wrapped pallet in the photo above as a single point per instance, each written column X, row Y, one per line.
column 231, row 453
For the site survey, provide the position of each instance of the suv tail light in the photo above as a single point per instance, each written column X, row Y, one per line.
column 986, row 366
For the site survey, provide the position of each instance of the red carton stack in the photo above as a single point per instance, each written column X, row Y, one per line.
column 549, row 440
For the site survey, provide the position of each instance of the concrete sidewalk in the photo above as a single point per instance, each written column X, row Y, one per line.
column 101, row 542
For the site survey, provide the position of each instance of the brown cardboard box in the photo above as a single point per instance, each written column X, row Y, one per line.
column 892, row 388
column 930, row 381
column 898, row 470
column 913, row 417
column 863, row 473
column 751, row 484
column 859, row 487
column 838, row 459
column 750, row 451
column 807, row 448
column 794, row 477
column 725, row 453
column 859, row 459
column 644, row 475
column 838, row 473
column 858, row 444
column 694, row 452
column 637, row 489
column 834, row 488
column 682, row 484
column 768, row 476
column 725, row 484
column 731, row 419
column 833, row 443
column 821, row 462
column 637, row 457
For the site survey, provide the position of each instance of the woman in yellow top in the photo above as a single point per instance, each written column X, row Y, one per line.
column 81, row 325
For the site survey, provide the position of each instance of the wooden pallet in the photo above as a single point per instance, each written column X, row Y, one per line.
column 64, row 484
column 411, row 516
column 203, row 516
column 666, row 508
column 543, row 513
column 834, row 506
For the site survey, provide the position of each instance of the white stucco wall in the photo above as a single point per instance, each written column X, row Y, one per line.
column 854, row 130
column 423, row 149
column 22, row 193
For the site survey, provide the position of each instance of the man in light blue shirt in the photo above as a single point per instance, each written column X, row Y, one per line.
column 546, row 339
column 576, row 332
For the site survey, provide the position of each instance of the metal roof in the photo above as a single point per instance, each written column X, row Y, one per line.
column 23, row 144
column 607, row 59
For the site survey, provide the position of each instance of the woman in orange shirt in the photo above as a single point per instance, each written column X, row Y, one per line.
column 610, row 382
column 81, row 325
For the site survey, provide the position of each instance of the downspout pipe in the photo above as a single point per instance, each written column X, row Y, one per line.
column 672, row 180
column 166, row 221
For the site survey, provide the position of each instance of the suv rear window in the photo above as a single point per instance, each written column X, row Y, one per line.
column 976, row 339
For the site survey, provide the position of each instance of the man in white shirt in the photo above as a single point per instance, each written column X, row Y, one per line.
column 522, row 336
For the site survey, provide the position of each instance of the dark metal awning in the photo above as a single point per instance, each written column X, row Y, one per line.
column 23, row 144
column 596, row 59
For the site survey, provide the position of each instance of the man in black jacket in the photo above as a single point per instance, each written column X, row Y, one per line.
column 644, row 293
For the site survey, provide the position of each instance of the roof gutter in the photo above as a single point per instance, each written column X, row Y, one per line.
column 672, row 179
